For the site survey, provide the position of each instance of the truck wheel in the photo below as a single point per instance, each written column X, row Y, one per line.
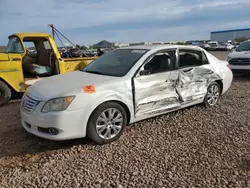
column 107, row 123
column 5, row 94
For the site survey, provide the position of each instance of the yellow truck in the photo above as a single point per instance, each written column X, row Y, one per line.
column 17, row 62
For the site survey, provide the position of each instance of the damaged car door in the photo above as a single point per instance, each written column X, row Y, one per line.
column 195, row 75
column 154, row 85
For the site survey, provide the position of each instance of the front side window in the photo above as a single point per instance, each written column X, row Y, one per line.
column 30, row 46
column 14, row 46
column 115, row 63
column 190, row 58
column 245, row 46
column 160, row 62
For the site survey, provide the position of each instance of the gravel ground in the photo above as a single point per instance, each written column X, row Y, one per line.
column 194, row 147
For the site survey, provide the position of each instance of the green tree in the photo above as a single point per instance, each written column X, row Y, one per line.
column 78, row 46
column 83, row 48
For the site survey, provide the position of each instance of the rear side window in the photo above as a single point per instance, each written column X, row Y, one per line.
column 191, row 58
column 47, row 45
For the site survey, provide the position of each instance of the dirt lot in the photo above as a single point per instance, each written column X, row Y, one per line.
column 2, row 48
column 194, row 147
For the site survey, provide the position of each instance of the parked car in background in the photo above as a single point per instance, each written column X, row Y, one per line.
column 239, row 59
column 217, row 47
column 123, row 86
column 228, row 46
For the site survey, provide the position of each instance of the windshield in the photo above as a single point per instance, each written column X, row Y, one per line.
column 115, row 63
column 14, row 46
column 244, row 47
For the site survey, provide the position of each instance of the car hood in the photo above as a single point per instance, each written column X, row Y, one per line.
column 243, row 54
column 68, row 83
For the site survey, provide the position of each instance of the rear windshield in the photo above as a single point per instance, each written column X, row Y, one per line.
column 116, row 62
column 244, row 47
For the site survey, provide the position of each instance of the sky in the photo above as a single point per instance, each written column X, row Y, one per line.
column 87, row 22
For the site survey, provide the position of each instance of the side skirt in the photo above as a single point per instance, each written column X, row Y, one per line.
column 150, row 115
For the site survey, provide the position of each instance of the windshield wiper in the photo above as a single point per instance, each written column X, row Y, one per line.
column 94, row 72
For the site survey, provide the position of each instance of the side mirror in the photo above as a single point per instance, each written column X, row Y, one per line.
column 144, row 72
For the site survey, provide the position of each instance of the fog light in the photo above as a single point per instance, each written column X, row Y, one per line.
column 53, row 131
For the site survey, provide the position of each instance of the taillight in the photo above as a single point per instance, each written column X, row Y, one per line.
column 228, row 65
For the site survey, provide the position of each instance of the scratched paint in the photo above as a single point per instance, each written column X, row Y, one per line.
column 172, row 90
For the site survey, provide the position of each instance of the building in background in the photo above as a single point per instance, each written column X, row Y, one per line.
column 226, row 35
column 104, row 44
column 121, row 45
column 196, row 42
column 139, row 43
column 156, row 43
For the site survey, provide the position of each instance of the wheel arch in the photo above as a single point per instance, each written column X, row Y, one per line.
column 220, row 84
column 4, row 81
column 118, row 102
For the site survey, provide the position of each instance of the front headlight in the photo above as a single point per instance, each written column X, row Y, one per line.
column 57, row 104
column 228, row 58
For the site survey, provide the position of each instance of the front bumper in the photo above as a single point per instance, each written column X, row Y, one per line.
column 241, row 69
column 68, row 123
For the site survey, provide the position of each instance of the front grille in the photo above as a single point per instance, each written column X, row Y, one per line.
column 29, row 104
column 240, row 61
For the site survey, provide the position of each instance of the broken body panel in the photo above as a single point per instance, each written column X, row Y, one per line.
column 172, row 90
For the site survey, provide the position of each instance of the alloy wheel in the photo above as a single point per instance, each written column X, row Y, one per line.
column 213, row 94
column 109, row 123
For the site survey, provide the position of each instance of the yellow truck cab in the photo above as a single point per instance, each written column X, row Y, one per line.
column 18, row 66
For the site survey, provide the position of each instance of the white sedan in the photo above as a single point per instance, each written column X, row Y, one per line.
column 122, row 87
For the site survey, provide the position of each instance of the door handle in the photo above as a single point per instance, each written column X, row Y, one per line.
column 187, row 70
column 16, row 59
column 170, row 80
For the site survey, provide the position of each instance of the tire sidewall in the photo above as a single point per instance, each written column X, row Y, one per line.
column 5, row 94
column 205, row 99
column 91, row 127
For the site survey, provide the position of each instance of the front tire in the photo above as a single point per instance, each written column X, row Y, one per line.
column 213, row 95
column 5, row 94
column 107, row 123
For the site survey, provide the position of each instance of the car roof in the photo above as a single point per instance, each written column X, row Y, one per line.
column 162, row 46
column 22, row 35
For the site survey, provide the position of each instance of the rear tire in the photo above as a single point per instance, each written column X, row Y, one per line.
column 5, row 94
column 107, row 123
column 213, row 95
